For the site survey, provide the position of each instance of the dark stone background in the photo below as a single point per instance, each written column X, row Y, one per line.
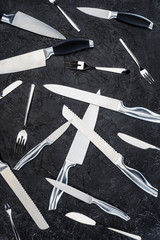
column 97, row 176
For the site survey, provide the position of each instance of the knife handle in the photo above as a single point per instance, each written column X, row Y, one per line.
column 134, row 19
column 62, row 177
column 71, row 46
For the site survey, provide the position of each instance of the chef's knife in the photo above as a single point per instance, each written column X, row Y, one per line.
column 106, row 102
column 88, row 199
column 115, row 157
column 10, row 88
column 31, row 24
column 20, row 192
column 47, row 141
column 136, row 142
column 76, row 154
column 38, row 58
column 79, row 217
column 125, row 17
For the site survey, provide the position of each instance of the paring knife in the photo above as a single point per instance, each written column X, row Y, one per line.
column 36, row 150
column 31, row 24
column 136, row 142
column 89, row 199
column 106, row 102
column 17, row 188
column 79, row 217
column 125, row 17
column 10, row 88
column 116, row 158
column 38, row 58
column 76, row 154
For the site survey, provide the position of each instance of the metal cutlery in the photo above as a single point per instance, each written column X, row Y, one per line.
column 144, row 73
column 9, row 212
column 80, row 65
column 10, row 88
column 22, row 135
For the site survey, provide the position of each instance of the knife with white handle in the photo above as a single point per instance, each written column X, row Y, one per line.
column 105, row 102
column 126, row 17
column 88, row 199
column 10, row 88
column 115, row 157
column 136, row 142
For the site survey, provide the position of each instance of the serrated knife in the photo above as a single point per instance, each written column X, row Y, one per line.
column 116, row 158
column 126, row 17
column 26, row 22
column 10, row 88
column 20, row 192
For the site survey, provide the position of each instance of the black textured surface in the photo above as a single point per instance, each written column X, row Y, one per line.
column 97, row 176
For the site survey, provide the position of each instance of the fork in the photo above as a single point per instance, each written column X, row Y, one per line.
column 80, row 65
column 144, row 73
column 22, row 135
column 9, row 212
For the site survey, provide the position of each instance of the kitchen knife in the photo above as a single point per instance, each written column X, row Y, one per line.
column 79, row 217
column 125, row 17
column 89, row 199
column 76, row 154
column 31, row 24
column 115, row 157
column 106, row 102
column 17, row 188
column 136, row 142
column 36, row 150
column 38, row 58
column 10, row 88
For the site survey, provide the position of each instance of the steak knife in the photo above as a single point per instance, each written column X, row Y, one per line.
column 10, row 88
column 76, row 154
column 31, row 24
column 116, row 158
column 106, row 102
column 88, row 199
column 38, row 58
column 125, row 17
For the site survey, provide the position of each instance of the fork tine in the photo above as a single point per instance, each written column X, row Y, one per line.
column 149, row 78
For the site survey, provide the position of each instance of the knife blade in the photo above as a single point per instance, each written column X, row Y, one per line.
column 26, row 22
column 24, row 198
column 10, row 88
column 126, row 17
column 37, row 149
column 88, row 199
column 115, row 157
column 76, row 154
column 106, row 102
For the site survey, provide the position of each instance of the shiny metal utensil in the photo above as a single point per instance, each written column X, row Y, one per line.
column 22, row 135
column 9, row 212
column 10, row 88
column 144, row 73
column 80, row 65
column 66, row 16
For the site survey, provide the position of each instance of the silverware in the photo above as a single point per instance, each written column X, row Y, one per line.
column 66, row 16
column 76, row 154
column 9, row 212
column 37, row 149
column 80, row 65
column 22, row 135
column 26, row 22
column 144, row 73
column 106, row 102
column 116, row 158
column 126, row 17
column 89, row 199
column 10, row 88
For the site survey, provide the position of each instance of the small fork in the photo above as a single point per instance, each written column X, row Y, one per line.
column 144, row 73
column 22, row 135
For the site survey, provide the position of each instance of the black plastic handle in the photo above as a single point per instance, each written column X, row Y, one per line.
column 1, row 15
column 71, row 46
column 134, row 19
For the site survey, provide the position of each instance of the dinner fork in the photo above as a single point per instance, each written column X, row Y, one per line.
column 145, row 74
column 22, row 135
column 80, row 65
column 9, row 212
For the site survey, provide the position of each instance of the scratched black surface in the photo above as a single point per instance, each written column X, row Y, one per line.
column 97, row 176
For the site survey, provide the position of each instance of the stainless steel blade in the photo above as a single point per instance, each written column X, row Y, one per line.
column 79, row 217
column 10, row 88
column 96, row 12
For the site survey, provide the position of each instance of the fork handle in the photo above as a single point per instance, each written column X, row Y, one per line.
column 29, row 103
column 14, row 229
